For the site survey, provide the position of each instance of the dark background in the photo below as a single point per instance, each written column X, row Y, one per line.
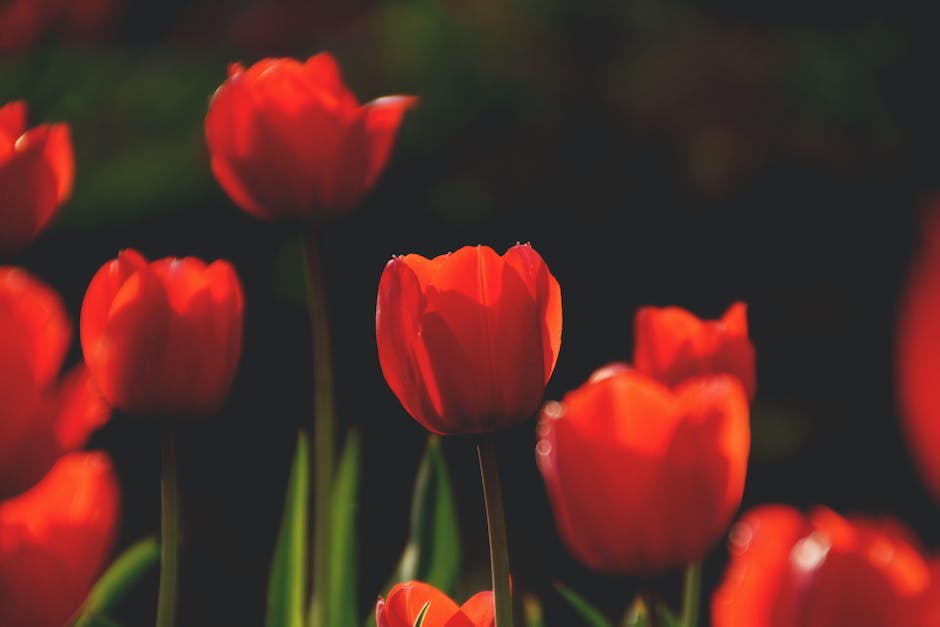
column 674, row 152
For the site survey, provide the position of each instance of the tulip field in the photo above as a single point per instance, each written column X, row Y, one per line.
column 418, row 313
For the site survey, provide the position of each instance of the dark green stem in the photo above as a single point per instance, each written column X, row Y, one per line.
column 323, row 428
column 652, row 607
column 169, row 529
column 496, row 524
column 691, row 594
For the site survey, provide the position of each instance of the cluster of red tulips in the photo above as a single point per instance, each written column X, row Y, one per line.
column 644, row 464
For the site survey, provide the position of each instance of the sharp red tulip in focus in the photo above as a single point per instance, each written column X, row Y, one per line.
column 43, row 416
column 406, row 600
column 468, row 340
column 289, row 140
column 643, row 478
column 163, row 337
column 672, row 344
column 55, row 540
column 36, row 171
column 918, row 353
column 822, row 570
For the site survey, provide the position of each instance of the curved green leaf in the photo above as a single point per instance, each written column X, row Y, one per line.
column 124, row 572
column 419, row 619
column 287, row 581
column 591, row 616
column 432, row 554
column 341, row 588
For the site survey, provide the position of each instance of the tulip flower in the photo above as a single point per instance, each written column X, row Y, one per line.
column 917, row 353
column 163, row 337
column 289, row 139
column 672, row 344
column 36, row 171
column 468, row 340
column 822, row 570
column 406, row 600
column 43, row 416
column 643, row 478
column 55, row 539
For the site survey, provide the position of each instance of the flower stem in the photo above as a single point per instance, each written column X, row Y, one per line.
column 652, row 606
column 323, row 428
column 169, row 528
column 496, row 524
column 691, row 594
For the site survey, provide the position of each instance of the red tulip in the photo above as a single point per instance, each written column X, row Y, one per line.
column 289, row 140
column 36, row 171
column 55, row 539
column 42, row 417
column 468, row 340
column 821, row 570
column 406, row 600
column 163, row 337
column 671, row 344
column 918, row 354
column 643, row 478
column 21, row 23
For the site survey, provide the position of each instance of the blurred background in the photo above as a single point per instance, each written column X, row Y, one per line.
column 653, row 152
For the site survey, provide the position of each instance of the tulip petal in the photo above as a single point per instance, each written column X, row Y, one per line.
column 659, row 458
column 34, row 326
column 12, row 125
column 546, row 292
column 28, row 187
column 480, row 609
column 366, row 148
column 405, row 601
column 127, row 354
column 672, row 345
column 398, row 308
column 54, row 540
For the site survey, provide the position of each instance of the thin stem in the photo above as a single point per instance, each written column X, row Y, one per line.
column 496, row 524
column 169, row 529
column 323, row 428
column 691, row 594
column 652, row 608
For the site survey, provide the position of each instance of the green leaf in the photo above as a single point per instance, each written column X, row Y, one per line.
column 591, row 616
column 637, row 615
column 432, row 554
column 124, row 572
column 419, row 619
column 98, row 621
column 533, row 611
column 342, row 585
column 667, row 618
column 287, row 581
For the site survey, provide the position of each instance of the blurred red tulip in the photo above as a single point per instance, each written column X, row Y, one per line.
column 163, row 337
column 24, row 23
column 406, row 600
column 643, row 478
column 822, row 570
column 672, row 344
column 21, row 24
column 468, row 340
column 36, row 171
column 918, row 353
column 55, row 540
column 289, row 140
column 42, row 417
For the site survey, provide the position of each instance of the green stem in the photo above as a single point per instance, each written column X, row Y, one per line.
column 496, row 524
column 652, row 607
column 691, row 594
column 169, row 529
column 323, row 428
